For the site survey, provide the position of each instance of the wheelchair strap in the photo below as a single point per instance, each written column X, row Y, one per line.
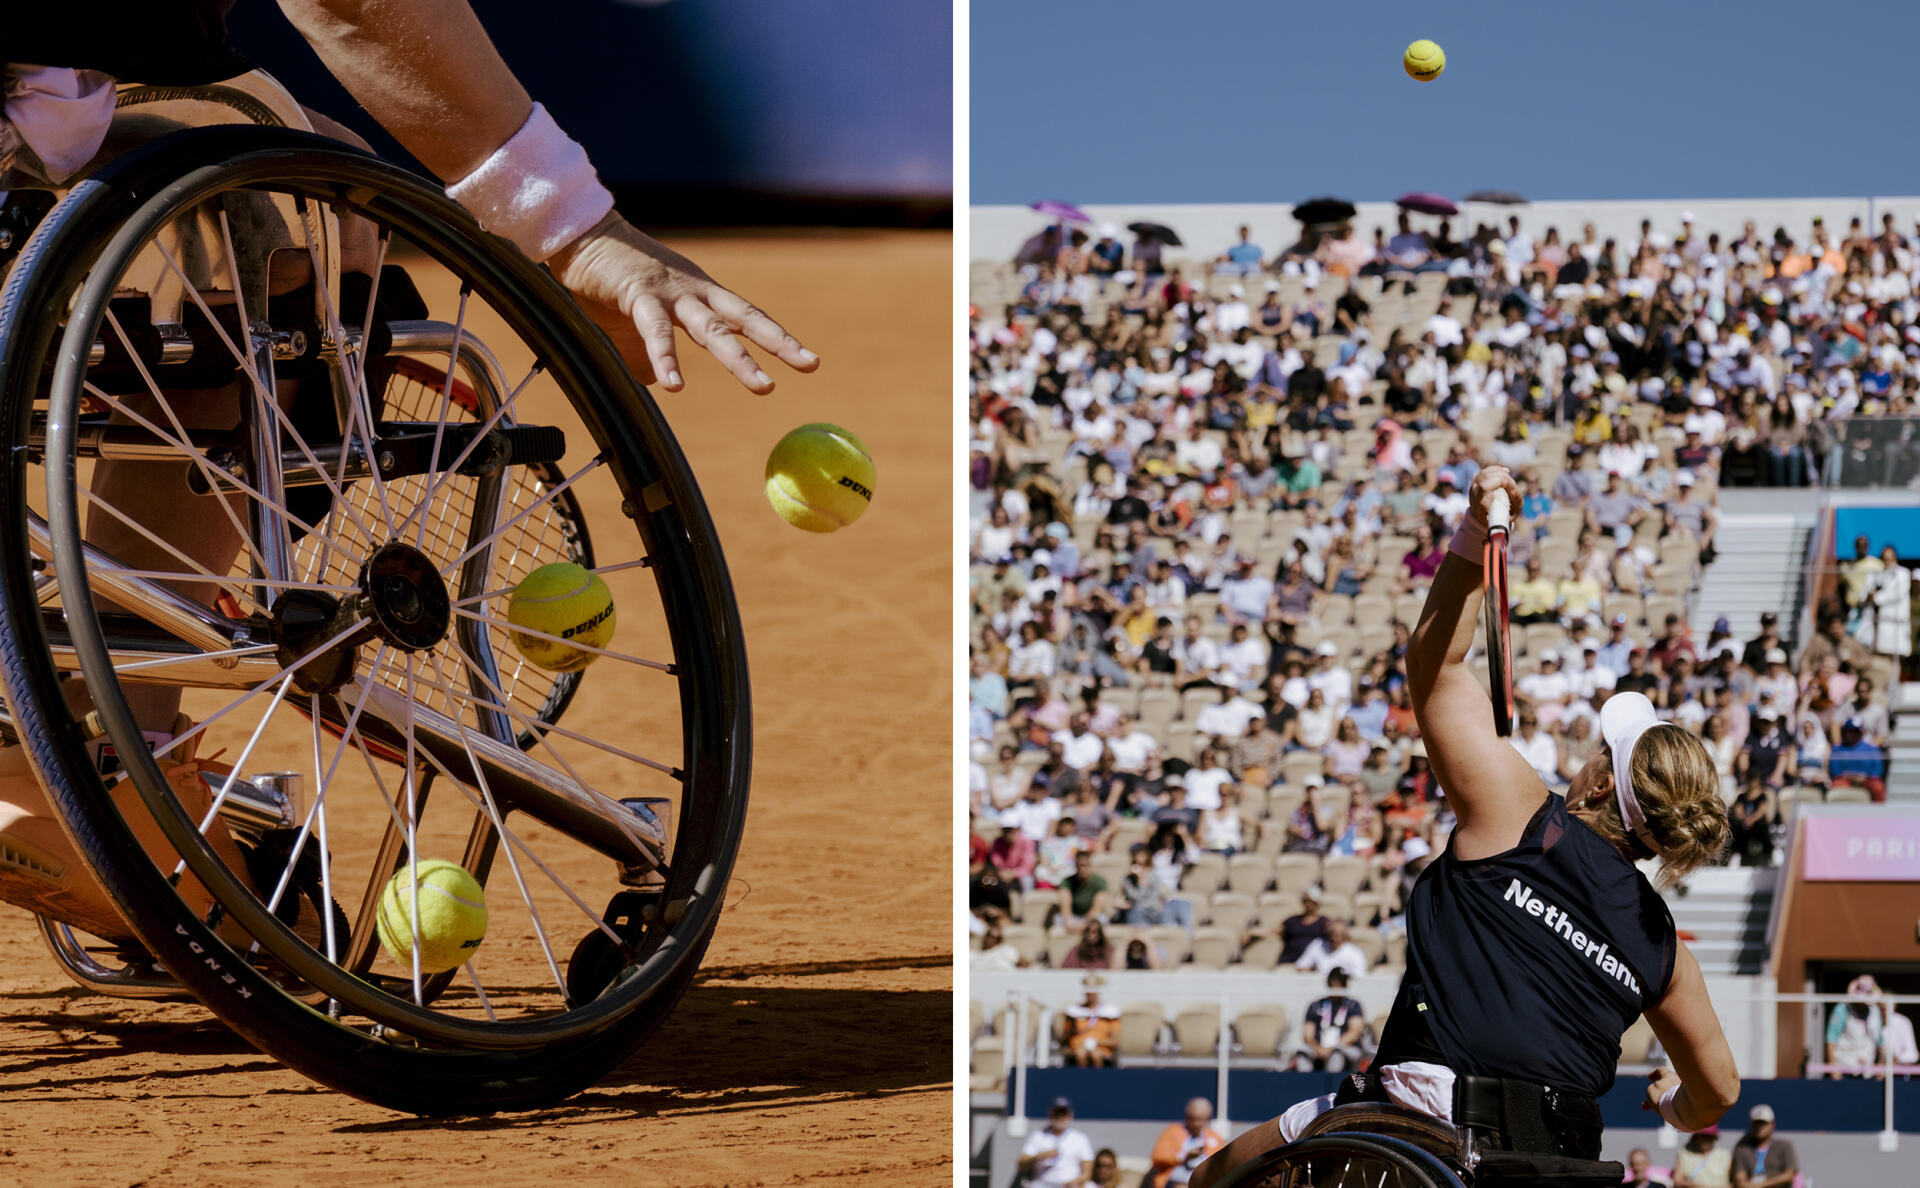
column 1528, row 1117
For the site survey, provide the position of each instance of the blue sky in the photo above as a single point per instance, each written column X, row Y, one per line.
column 1236, row 101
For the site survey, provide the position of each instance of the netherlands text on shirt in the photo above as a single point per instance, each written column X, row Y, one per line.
column 1558, row 921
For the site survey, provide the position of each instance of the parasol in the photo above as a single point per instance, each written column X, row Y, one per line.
column 1066, row 212
column 1424, row 203
column 1158, row 232
column 1319, row 211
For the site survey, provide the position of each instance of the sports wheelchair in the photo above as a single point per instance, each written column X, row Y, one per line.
column 1388, row 1146
column 232, row 328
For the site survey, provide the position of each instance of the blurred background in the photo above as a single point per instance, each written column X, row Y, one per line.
column 718, row 113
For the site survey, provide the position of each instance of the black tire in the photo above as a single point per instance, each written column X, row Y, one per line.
column 386, row 1064
column 1343, row 1160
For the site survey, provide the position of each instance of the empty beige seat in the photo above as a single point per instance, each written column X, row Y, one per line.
column 1259, row 1031
column 1196, row 1029
column 1140, row 1024
column 1343, row 875
column 1249, row 874
column 1296, row 872
column 1262, row 954
column 1212, row 949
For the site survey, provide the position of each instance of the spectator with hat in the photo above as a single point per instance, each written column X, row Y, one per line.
column 1854, row 1030
column 1857, row 762
column 1057, row 1155
column 1333, row 951
column 1761, row 1160
column 1702, row 1162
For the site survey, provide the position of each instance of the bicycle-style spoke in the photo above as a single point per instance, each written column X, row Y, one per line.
column 550, row 494
column 452, row 469
column 233, row 585
column 504, row 625
column 163, row 661
column 504, row 591
column 207, row 466
column 239, row 765
column 446, row 403
column 166, row 406
column 244, row 365
column 536, row 724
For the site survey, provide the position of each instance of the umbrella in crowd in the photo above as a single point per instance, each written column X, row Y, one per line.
column 1424, row 203
column 1045, row 245
column 1497, row 197
column 1158, row 232
column 1066, row 212
column 1317, row 211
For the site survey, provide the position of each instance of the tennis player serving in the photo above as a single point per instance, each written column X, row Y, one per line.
column 1534, row 941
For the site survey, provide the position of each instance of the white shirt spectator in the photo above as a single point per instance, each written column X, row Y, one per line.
column 1027, row 661
column 1336, row 685
column 1199, row 454
column 1248, row 596
column 1079, row 753
column 1319, row 958
column 1169, row 595
column 1451, row 507
column 1131, row 750
column 1243, row 664
column 1203, row 786
column 1544, row 686
column 1034, row 818
column 1898, row 1039
column 1062, row 1157
column 1227, row 719
column 1231, row 315
column 1200, row 654
column 1446, row 330
column 1595, row 676
column 1541, row 754
column 1294, row 691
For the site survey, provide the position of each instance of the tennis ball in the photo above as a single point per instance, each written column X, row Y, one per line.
column 819, row 477
column 453, row 916
column 1424, row 61
column 565, row 601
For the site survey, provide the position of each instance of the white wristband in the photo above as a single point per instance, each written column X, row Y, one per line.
column 1667, row 1111
column 1468, row 540
column 538, row 190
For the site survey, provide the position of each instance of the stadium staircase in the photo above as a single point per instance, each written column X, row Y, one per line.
column 1759, row 559
column 1903, row 767
column 1725, row 910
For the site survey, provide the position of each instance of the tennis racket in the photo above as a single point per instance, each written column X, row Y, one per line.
column 1496, row 613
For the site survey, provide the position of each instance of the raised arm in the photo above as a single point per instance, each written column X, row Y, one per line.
column 427, row 72
column 1493, row 791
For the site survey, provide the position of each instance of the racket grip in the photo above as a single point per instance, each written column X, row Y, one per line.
column 1499, row 511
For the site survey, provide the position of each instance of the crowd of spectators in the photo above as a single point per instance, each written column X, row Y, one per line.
column 1202, row 530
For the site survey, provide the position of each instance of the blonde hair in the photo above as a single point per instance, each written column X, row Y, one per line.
column 1678, row 787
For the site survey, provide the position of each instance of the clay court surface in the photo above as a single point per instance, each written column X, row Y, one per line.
column 815, row 1046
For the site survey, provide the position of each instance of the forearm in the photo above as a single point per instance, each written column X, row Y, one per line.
column 1447, row 619
column 425, row 69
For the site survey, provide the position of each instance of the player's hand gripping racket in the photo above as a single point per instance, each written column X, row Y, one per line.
column 1497, row 611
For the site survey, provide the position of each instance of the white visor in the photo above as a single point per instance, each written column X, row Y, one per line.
column 1623, row 719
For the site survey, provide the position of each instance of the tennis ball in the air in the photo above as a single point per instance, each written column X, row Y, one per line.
column 453, row 916
column 820, row 477
column 565, row 602
column 1424, row 61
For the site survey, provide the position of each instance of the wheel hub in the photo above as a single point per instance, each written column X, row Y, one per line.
column 402, row 591
column 401, row 597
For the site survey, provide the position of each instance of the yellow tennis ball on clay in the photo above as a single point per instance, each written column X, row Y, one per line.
column 567, row 605
column 1424, row 61
column 453, row 916
column 820, row 477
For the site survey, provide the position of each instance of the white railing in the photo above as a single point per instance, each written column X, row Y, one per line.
column 1754, row 1003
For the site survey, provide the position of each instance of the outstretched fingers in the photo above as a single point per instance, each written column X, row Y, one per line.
column 761, row 330
column 712, row 331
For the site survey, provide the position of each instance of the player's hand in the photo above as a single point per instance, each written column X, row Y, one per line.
column 1489, row 480
column 1658, row 1082
column 638, row 290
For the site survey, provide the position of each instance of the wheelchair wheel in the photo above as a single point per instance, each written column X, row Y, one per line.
column 1343, row 1160
column 183, row 358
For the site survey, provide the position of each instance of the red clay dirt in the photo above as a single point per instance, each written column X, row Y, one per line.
column 815, row 1046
